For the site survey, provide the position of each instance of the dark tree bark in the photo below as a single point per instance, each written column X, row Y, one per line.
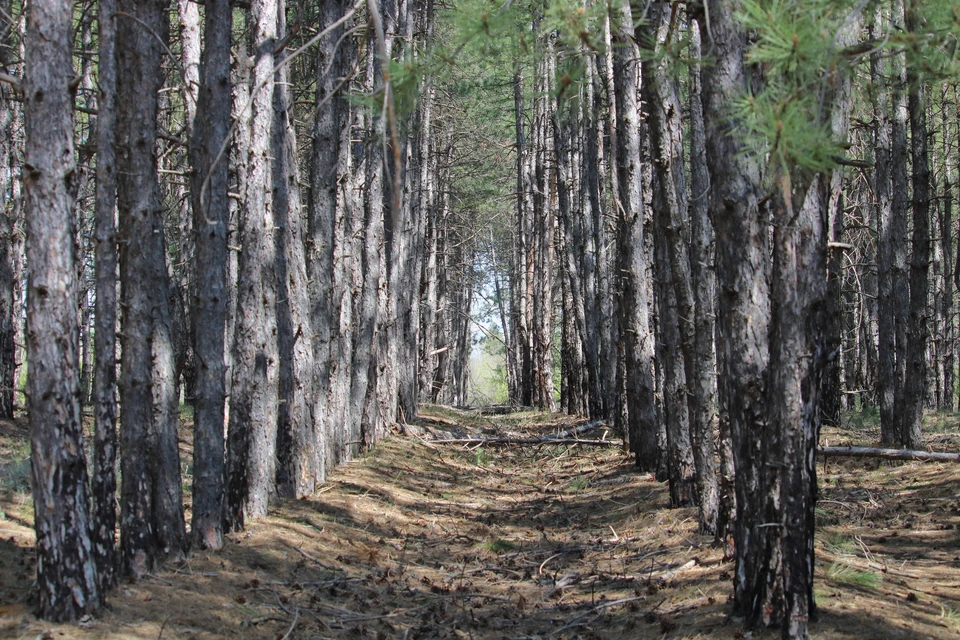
column 946, row 233
column 104, row 396
column 915, row 383
column 703, row 383
column 887, row 381
column 152, row 522
column 796, row 362
column 743, row 303
column 66, row 568
column 252, row 434
column 672, row 260
column 8, row 221
column 632, row 268
column 211, row 213
column 900, row 285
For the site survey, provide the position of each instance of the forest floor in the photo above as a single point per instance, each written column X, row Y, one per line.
column 429, row 540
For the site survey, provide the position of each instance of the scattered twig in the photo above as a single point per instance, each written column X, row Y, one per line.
column 293, row 624
column 314, row 560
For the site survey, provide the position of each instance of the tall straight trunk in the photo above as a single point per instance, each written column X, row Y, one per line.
column 185, row 277
column 742, row 257
column 328, row 253
column 211, row 214
column 541, row 266
column 675, row 301
column 151, row 523
column 887, row 381
column 104, row 481
column 900, row 285
column 796, row 362
column 632, row 266
column 702, row 382
column 523, row 266
column 299, row 467
column 252, row 435
column 66, row 568
column 946, row 240
column 915, row 384
column 8, row 283
column 374, row 256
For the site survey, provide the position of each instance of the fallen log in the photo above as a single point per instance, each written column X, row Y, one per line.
column 889, row 454
column 527, row 441
column 564, row 437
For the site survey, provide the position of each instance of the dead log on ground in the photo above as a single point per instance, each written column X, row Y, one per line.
column 889, row 454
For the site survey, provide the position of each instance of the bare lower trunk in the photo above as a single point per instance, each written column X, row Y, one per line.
column 152, row 522
column 66, row 568
column 915, row 383
column 251, row 440
column 211, row 213
column 632, row 267
column 104, row 397
column 744, row 301
column 702, row 383
column 298, row 467
column 887, row 385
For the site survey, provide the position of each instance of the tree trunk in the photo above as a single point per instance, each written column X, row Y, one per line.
column 915, row 384
column 744, row 301
column 887, row 381
column 104, row 395
column 8, row 222
column 675, row 299
column 796, row 363
column 900, row 286
column 152, row 523
column 211, row 214
column 298, row 467
column 252, row 435
column 632, row 268
column 702, row 383
column 330, row 256
column 946, row 233
column 66, row 568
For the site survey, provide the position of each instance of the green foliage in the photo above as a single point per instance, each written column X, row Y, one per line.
column 579, row 483
column 796, row 44
column 846, row 574
column 482, row 458
column 497, row 546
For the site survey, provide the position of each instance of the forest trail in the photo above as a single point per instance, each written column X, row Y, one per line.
column 424, row 540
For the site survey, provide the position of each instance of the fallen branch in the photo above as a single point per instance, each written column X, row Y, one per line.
column 889, row 454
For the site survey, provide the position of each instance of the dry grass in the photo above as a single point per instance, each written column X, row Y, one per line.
column 428, row 541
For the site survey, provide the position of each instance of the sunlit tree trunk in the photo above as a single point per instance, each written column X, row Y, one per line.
column 298, row 456
column 251, row 441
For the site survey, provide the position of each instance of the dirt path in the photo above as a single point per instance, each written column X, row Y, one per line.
column 436, row 541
